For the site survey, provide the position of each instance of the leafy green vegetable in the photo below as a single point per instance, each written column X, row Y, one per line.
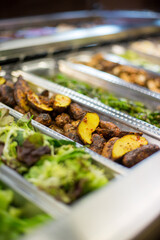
column 13, row 221
column 134, row 108
column 56, row 166
column 5, row 119
column 67, row 175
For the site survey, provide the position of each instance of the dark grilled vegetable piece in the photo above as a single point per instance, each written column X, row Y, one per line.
column 97, row 143
column 33, row 113
column 45, row 93
column 108, row 129
column 124, row 133
column 108, row 146
column 61, row 103
column 76, row 111
column 62, row 119
column 7, row 95
column 71, row 132
column 19, row 109
column 137, row 155
column 37, row 103
column 44, row 118
column 57, row 129
column 20, row 94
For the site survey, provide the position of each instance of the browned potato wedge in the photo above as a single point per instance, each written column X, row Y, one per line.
column 97, row 143
column 2, row 80
column 37, row 103
column 108, row 146
column 20, row 95
column 44, row 118
column 87, row 126
column 21, row 83
column 62, row 119
column 137, row 155
column 127, row 144
column 61, row 103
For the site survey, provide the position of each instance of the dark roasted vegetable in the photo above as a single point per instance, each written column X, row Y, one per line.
column 139, row 154
column 76, row 111
column 44, row 118
column 108, row 146
column 97, row 143
column 62, row 119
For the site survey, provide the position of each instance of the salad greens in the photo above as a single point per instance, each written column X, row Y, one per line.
column 14, row 221
column 56, row 166
column 133, row 108
column 134, row 58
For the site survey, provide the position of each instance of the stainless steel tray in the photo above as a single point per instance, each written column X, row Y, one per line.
column 73, row 39
column 47, row 67
column 86, row 56
column 121, row 121
column 77, row 15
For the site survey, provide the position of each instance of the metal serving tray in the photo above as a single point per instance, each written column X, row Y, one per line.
column 86, row 56
column 47, row 67
column 121, row 121
column 73, row 39
column 74, row 16
column 53, row 207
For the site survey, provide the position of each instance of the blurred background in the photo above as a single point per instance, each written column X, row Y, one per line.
column 20, row 8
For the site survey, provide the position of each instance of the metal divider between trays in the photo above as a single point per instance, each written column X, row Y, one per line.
column 93, row 104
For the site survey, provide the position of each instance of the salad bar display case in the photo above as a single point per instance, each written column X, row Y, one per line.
column 80, row 126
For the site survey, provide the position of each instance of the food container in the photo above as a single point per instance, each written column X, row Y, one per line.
column 47, row 67
column 40, row 46
column 122, row 122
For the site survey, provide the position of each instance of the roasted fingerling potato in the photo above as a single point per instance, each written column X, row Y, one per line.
column 139, row 154
column 37, row 103
column 61, row 103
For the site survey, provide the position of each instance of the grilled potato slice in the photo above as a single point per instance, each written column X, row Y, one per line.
column 87, row 126
column 61, row 103
column 20, row 95
column 37, row 103
column 127, row 144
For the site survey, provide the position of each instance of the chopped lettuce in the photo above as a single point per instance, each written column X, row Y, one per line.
column 56, row 166
column 13, row 220
column 67, row 175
